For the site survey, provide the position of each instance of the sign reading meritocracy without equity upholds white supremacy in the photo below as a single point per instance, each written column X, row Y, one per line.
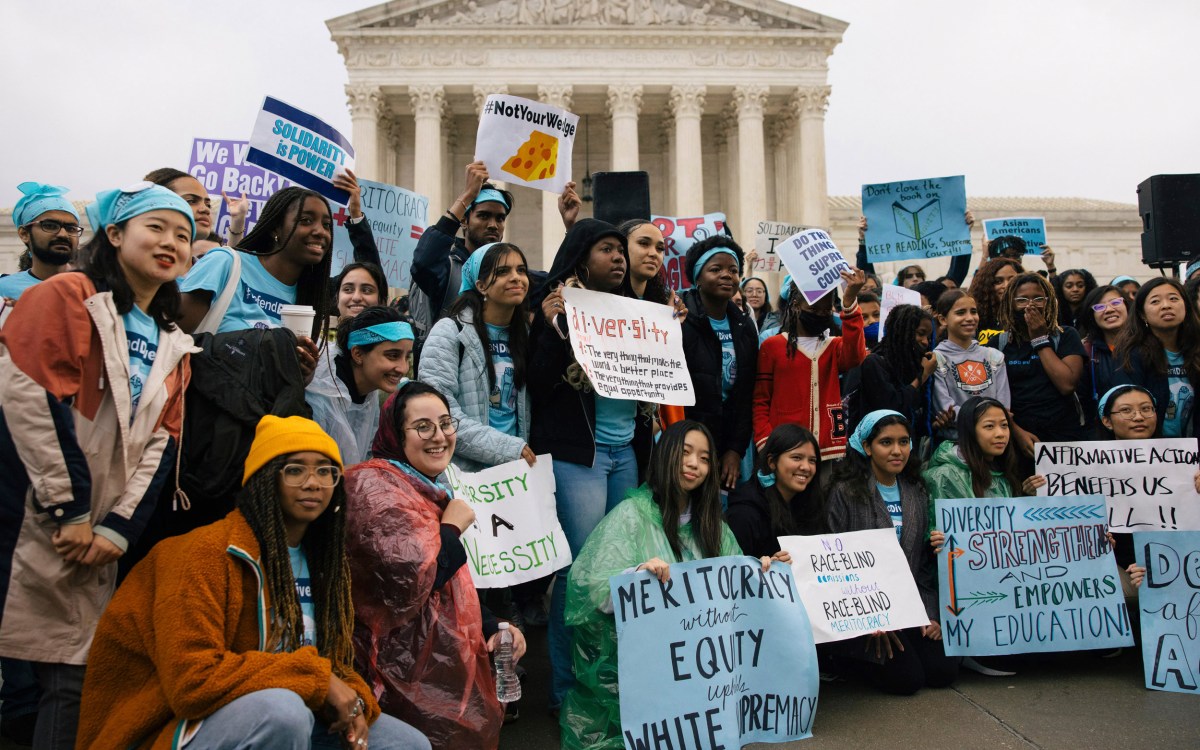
column 526, row 142
column 294, row 144
column 814, row 262
column 630, row 349
column 516, row 536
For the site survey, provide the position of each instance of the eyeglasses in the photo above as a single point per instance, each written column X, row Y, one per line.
column 295, row 475
column 1113, row 303
column 1127, row 412
column 50, row 226
column 425, row 429
column 1025, row 301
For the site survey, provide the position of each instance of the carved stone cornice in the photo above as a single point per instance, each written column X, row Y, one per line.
column 636, row 13
column 687, row 100
column 625, row 100
column 481, row 93
column 811, row 101
column 363, row 99
column 427, row 100
column 750, row 100
column 556, row 94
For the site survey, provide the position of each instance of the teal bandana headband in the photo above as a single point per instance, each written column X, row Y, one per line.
column 1112, row 393
column 38, row 198
column 117, row 206
column 491, row 195
column 470, row 269
column 866, row 425
column 380, row 332
column 696, row 269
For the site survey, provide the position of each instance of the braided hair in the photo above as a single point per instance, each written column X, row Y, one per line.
column 312, row 287
column 324, row 546
column 1015, row 324
column 899, row 348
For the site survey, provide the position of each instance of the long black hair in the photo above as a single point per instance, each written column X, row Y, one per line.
column 899, row 348
column 518, row 330
column 1137, row 338
column 370, row 316
column 806, row 510
column 853, row 474
column 704, row 501
column 99, row 262
column 376, row 273
column 1066, row 315
column 1086, row 324
column 656, row 288
column 760, row 315
column 979, row 463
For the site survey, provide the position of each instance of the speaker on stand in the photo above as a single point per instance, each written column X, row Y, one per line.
column 1169, row 205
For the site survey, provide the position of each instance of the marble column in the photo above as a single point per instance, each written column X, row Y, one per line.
column 624, row 106
column 558, row 95
column 750, row 101
column 810, row 104
column 365, row 103
column 427, row 103
column 449, row 146
column 779, row 135
column 687, row 104
column 391, row 153
column 732, row 206
column 666, row 139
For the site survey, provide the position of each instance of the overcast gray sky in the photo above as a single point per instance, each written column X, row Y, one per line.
column 1063, row 98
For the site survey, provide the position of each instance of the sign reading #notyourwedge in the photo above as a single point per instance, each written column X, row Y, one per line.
column 814, row 262
column 526, row 142
column 916, row 219
column 294, row 144
column 718, row 656
column 1169, row 599
column 629, row 349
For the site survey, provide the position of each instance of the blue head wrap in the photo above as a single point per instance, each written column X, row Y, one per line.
column 1191, row 269
column 38, row 198
column 696, row 269
column 766, row 480
column 116, row 206
column 380, row 332
column 470, row 269
column 864, row 428
column 1112, row 393
column 786, row 291
column 490, row 195
column 1122, row 279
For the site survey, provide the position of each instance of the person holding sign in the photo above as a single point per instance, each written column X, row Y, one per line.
column 1014, row 248
column 878, row 486
column 674, row 517
column 1070, row 287
column 785, row 498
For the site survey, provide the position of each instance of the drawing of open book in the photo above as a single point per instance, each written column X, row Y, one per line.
column 920, row 223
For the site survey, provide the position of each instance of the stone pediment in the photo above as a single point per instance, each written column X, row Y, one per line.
column 630, row 14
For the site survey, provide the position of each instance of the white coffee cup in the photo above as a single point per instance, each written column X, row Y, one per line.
column 298, row 318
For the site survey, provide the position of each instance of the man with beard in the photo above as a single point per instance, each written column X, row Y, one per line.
column 49, row 226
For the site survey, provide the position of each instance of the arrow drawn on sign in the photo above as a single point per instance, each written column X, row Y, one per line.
column 952, row 552
column 497, row 522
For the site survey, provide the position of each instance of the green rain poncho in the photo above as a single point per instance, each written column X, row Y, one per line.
column 948, row 477
column 627, row 537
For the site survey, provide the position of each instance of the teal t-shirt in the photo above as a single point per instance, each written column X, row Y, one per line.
column 614, row 420
column 142, row 335
column 304, row 592
column 728, row 355
column 502, row 403
column 1178, row 421
column 891, row 499
column 14, row 285
column 259, row 296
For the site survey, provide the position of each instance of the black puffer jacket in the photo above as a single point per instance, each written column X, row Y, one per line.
column 749, row 518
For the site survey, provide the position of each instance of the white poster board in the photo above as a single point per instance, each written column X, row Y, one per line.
column 526, row 142
column 766, row 239
column 814, row 262
column 891, row 296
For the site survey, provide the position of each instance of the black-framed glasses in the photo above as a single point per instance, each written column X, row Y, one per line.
column 1113, row 303
column 425, row 429
column 1023, row 301
column 50, row 226
column 295, row 475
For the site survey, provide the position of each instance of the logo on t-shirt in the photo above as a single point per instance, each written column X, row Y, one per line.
column 273, row 306
column 973, row 376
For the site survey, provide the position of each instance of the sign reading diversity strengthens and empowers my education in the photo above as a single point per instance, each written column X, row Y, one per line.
column 221, row 167
column 679, row 234
column 855, row 583
column 526, row 142
column 1028, row 574
column 516, row 536
column 301, row 147
column 1149, row 484
column 814, row 262
column 916, row 219
column 1029, row 228
column 719, row 656
column 1169, row 599
column 629, row 349
column 397, row 216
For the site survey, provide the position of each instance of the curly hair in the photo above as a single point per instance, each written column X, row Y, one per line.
column 899, row 348
column 983, row 290
column 1015, row 324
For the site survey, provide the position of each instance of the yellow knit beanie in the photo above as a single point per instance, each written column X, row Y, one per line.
column 279, row 436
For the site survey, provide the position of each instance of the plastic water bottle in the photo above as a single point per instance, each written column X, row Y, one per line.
column 508, row 687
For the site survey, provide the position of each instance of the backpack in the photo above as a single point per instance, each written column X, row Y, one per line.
column 422, row 311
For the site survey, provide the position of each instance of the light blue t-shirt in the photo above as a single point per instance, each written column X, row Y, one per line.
column 614, row 420
column 1178, row 422
column 305, row 593
column 142, row 335
column 502, row 403
column 728, row 355
column 891, row 499
column 259, row 296
column 12, row 286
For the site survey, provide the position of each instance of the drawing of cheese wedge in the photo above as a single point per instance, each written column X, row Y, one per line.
column 536, row 159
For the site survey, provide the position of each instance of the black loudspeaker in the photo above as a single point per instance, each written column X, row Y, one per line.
column 1170, row 208
column 621, row 196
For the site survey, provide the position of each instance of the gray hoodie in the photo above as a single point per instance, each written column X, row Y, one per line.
column 963, row 373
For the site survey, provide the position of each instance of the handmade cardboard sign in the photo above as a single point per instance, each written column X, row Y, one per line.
column 916, row 219
column 397, row 216
column 301, row 147
column 221, row 167
column 1029, row 228
column 814, row 262
column 679, row 234
column 526, row 142
column 1169, row 599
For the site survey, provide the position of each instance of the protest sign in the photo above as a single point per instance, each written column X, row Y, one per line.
column 397, row 216
column 916, row 219
column 892, row 295
column 221, row 167
column 1029, row 228
column 814, row 262
column 854, row 584
column 292, row 143
column 629, row 349
column 526, row 142
column 719, row 656
column 679, row 234
column 1028, row 574
column 1149, row 484
column 1169, row 598
column 770, row 234
column 516, row 536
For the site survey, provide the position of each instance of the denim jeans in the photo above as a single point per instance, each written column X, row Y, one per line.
column 584, row 495
column 58, row 710
column 277, row 719
column 19, row 694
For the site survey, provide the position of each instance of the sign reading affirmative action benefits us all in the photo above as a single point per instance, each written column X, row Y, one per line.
column 526, row 142
column 1149, row 484
column 1169, row 599
column 916, row 219
column 301, row 147
column 516, row 536
column 1028, row 574
column 629, row 349
column 719, row 656
column 814, row 262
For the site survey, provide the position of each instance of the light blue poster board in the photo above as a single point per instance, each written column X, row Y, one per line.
column 721, row 655
column 916, row 219
column 1032, row 229
column 1028, row 575
column 1169, row 600
column 397, row 216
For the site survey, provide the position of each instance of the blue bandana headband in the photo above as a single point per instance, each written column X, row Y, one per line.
column 766, row 480
column 491, row 195
column 380, row 332
column 38, row 198
column 117, row 206
column 1191, row 269
column 709, row 256
column 866, row 425
column 1112, row 392
column 470, row 269
column 1123, row 279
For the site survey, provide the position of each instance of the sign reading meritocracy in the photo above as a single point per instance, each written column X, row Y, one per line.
column 1149, row 484
column 1029, row 228
column 679, row 234
column 1169, row 599
column 516, row 536
column 397, row 216
column 916, row 219
column 221, row 167
column 814, row 262
column 719, row 656
column 629, row 349
column 1028, row 574
column 301, row 147
column 526, row 142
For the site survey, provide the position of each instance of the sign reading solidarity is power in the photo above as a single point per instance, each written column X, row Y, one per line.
column 526, row 142
column 299, row 146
